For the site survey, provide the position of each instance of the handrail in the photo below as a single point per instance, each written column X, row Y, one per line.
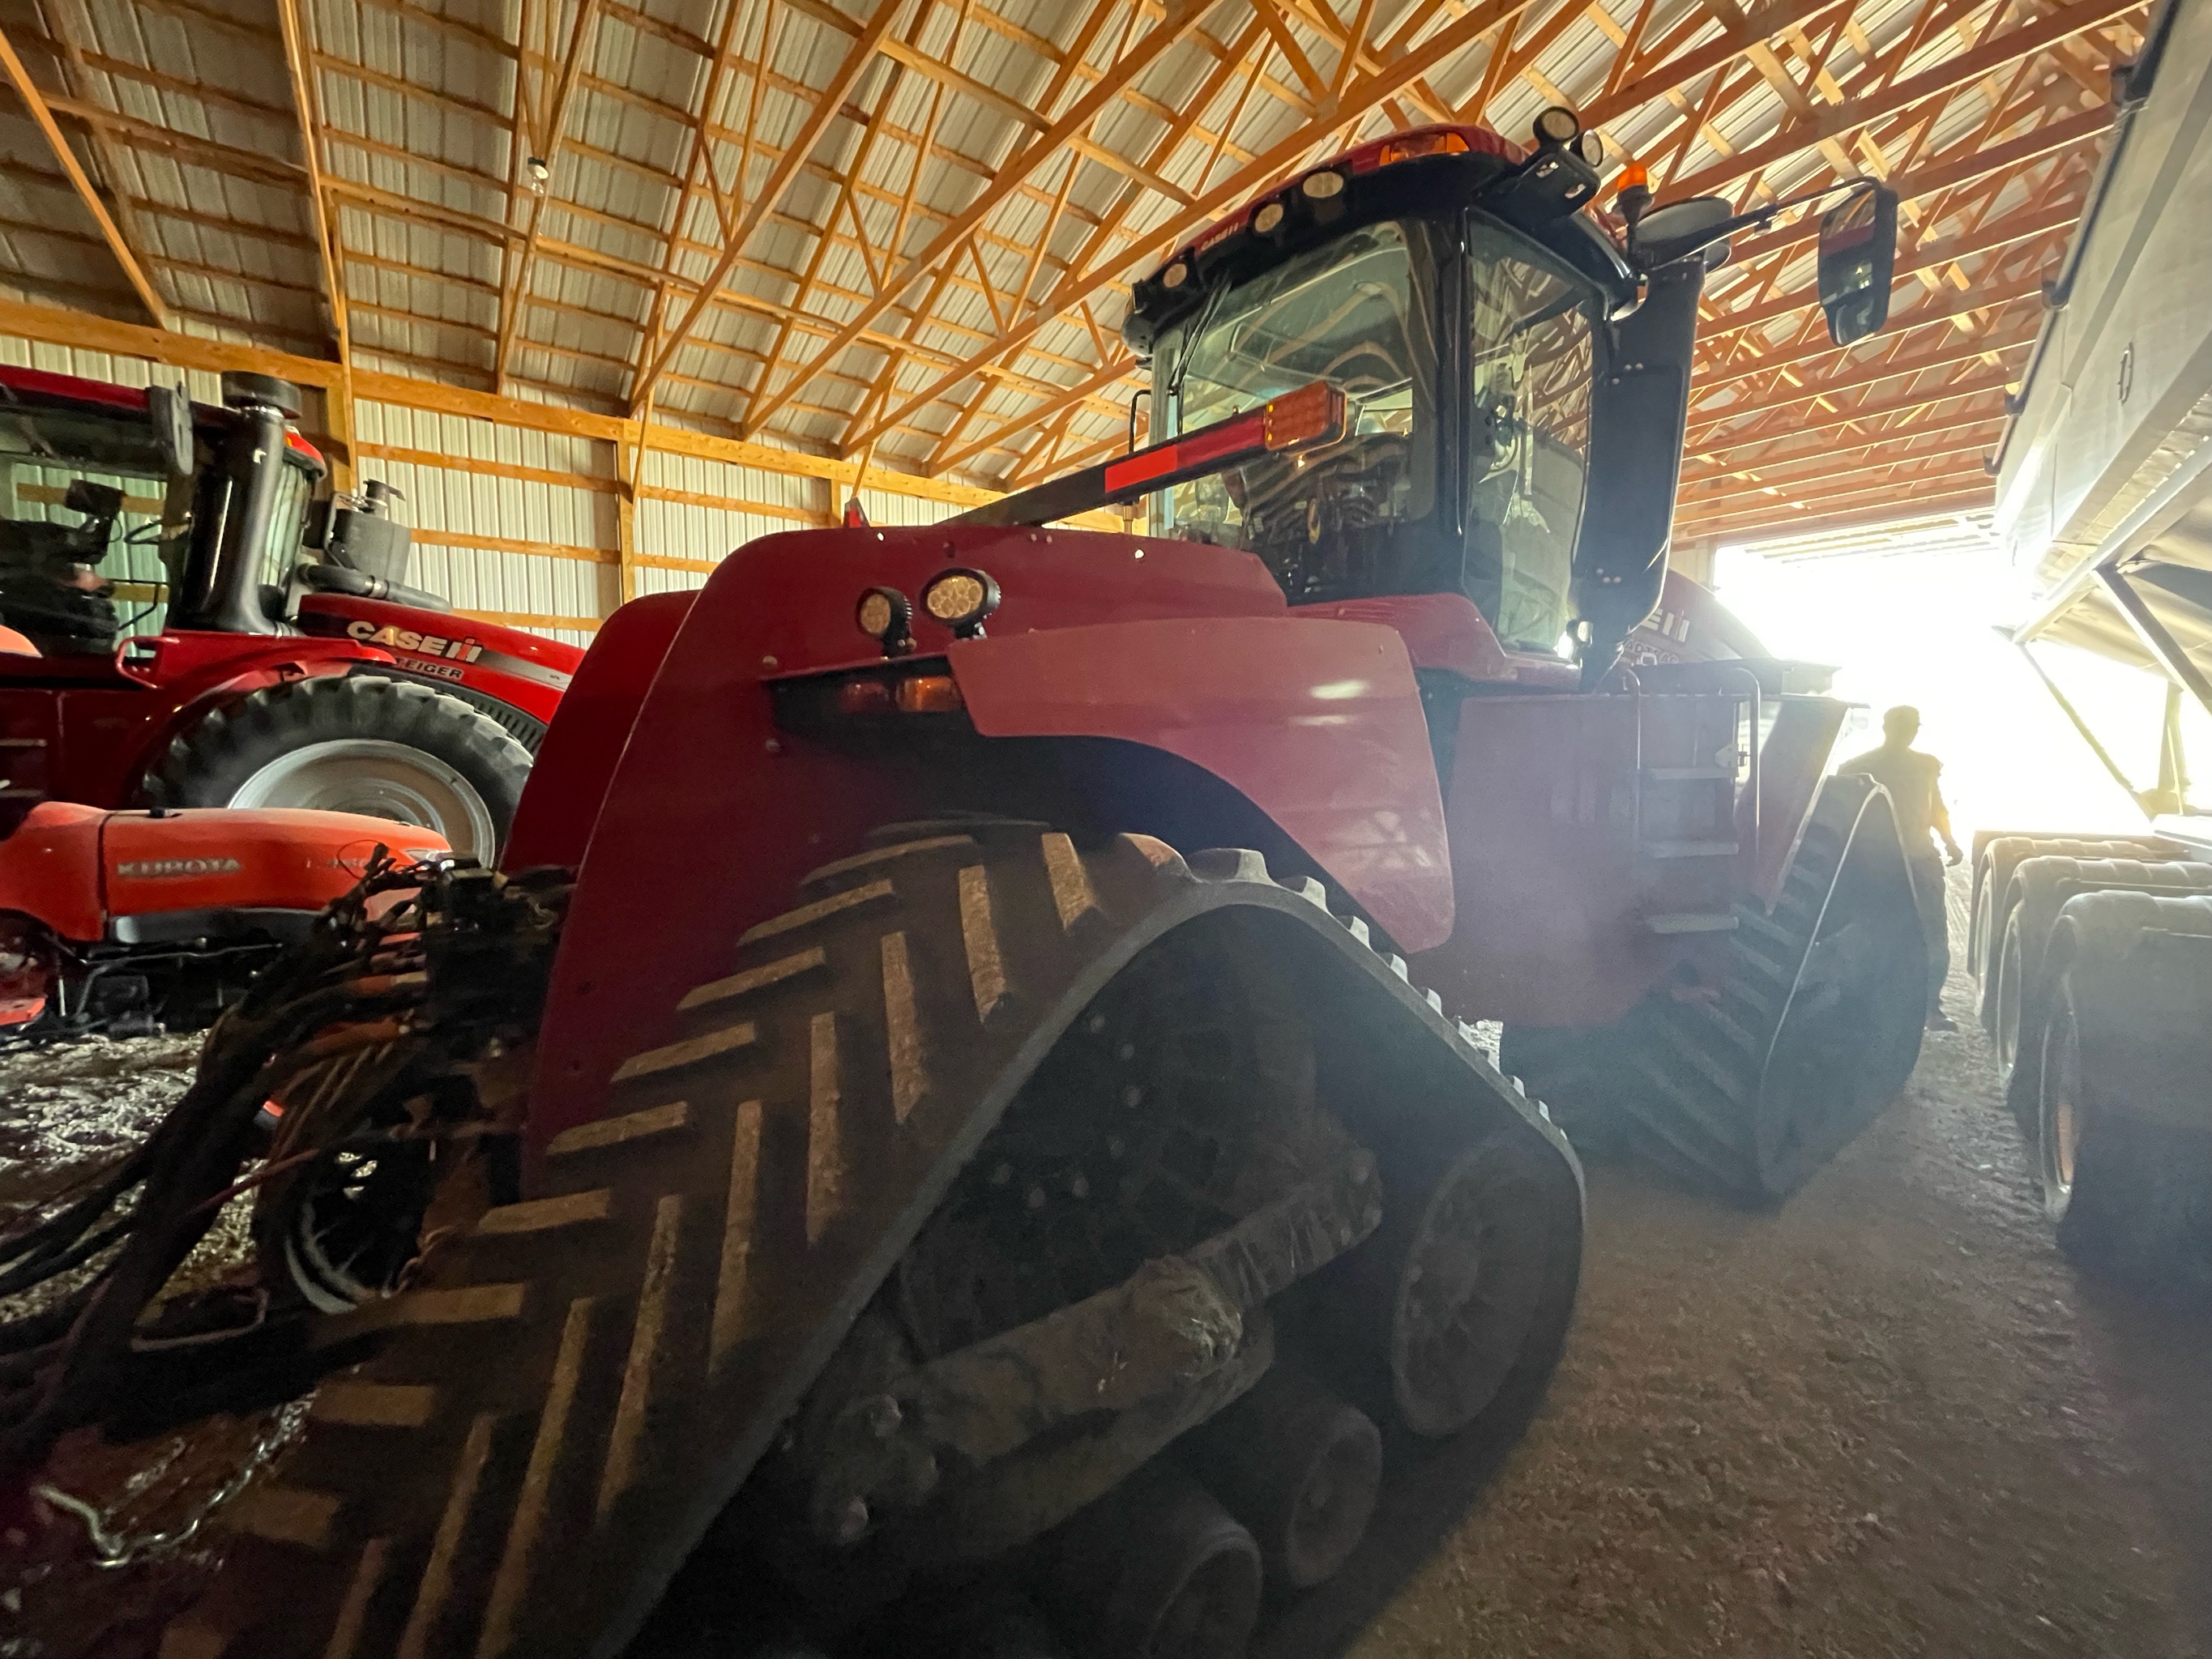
column 1750, row 849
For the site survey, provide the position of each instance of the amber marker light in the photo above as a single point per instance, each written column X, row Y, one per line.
column 1414, row 145
column 929, row 694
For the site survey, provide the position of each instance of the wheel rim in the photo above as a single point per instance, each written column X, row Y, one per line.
column 357, row 1222
column 1469, row 1292
column 2062, row 1106
column 377, row 778
column 2009, row 995
column 1334, row 1505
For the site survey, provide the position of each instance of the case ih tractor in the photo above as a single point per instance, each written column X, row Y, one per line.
column 996, row 1163
column 273, row 683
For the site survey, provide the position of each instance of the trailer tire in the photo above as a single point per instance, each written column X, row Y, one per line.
column 375, row 746
column 2132, row 1198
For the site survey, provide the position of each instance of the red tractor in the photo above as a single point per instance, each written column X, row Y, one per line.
column 273, row 683
column 997, row 1160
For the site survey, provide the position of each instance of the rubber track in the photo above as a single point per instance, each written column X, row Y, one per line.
column 1683, row 1082
column 577, row 1388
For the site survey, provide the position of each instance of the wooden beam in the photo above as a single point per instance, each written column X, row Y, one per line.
column 307, row 105
column 1980, row 420
column 1853, row 492
column 829, row 100
column 1754, row 527
column 35, row 101
column 1891, row 450
column 1938, row 81
column 1994, row 382
column 1114, row 371
column 1182, row 17
column 1828, row 368
column 583, row 35
column 93, row 332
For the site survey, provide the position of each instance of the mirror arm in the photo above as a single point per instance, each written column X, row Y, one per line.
column 1758, row 219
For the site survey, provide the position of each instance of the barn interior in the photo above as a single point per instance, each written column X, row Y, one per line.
column 1076, row 831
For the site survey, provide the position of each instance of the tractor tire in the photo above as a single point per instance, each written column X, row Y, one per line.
column 378, row 747
column 955, row 1036
column 1812, row 1032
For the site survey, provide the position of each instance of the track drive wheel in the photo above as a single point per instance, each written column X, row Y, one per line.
column 379, row 747
column 767, row 1269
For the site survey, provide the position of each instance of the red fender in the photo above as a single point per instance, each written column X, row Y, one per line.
column 577, row 760
column 713, row 815
column 1317, row 723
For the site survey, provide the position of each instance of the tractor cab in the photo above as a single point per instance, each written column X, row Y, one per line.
column 118, row 503
column 208, row 627
column 1508, row 376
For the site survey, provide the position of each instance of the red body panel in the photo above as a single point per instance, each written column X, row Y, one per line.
column 1318, row 722
column 713, row 815
column 577, row 762
column 76, row 868
column 520, row 669
column 1543, row 855
column 82, row 729
column 1446, row 631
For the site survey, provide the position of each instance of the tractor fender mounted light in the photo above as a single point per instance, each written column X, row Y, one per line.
column 961, row 598
column 1175, row 275
column 1321, row 186
column 1267, row 218
column 885, row 617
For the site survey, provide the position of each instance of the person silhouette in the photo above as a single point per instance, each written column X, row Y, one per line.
column 1912, row 778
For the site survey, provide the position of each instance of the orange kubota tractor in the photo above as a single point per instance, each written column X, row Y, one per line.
column 995, row 1160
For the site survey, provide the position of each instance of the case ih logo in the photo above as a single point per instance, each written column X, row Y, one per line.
column 154, row 869
column 406, row 639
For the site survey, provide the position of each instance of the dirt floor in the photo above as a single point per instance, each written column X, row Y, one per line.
column 1889, row 1419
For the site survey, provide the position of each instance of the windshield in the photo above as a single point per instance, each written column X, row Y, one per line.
column 1355, row 313
column 70, row 578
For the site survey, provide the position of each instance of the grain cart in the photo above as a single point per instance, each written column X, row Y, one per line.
column 997, row 1162
column 2098, row 973
column 273, row 681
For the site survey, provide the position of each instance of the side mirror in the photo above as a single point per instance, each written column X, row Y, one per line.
column 1858, row 260
column 169, row 409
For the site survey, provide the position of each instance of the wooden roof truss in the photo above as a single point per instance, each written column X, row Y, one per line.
column 903, row 228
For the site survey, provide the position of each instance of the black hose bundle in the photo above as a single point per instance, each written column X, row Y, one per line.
column 64, row 1364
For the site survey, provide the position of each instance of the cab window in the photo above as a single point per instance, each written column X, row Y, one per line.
column 1531, row 358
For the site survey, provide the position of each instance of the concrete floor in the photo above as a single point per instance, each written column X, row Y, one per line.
column 1887, row 1420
